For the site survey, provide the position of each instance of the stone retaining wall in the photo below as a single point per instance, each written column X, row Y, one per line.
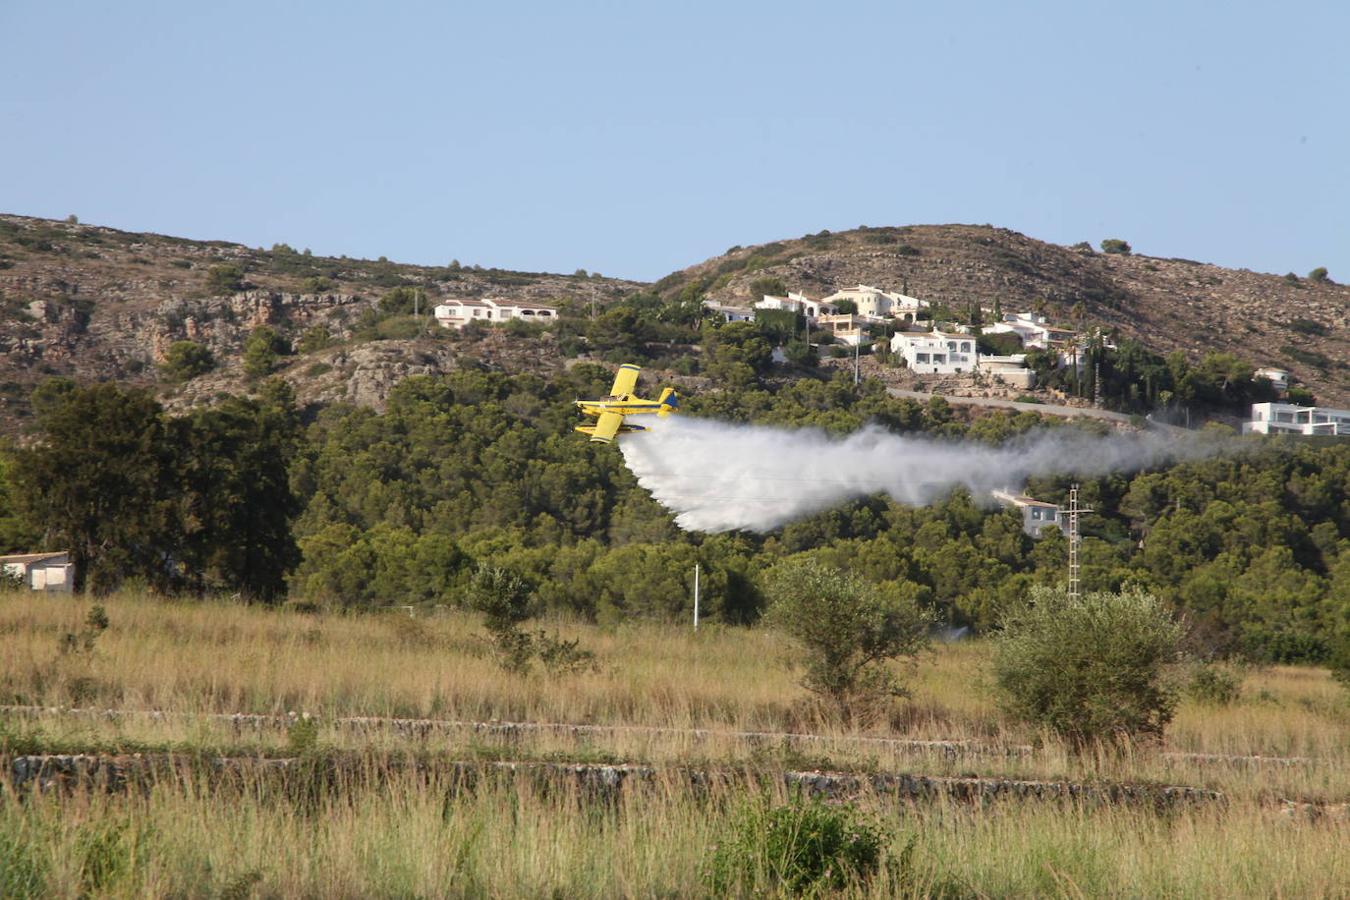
column 122, row 773
column 421, row 729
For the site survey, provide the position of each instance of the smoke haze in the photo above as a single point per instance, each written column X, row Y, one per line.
column 718, row 476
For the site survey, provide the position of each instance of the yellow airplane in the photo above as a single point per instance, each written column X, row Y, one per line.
column 610, row 412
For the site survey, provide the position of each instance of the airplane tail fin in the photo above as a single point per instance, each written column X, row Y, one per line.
column 669, row 400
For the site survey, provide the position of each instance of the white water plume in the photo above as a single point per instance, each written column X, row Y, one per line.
column 718, row 476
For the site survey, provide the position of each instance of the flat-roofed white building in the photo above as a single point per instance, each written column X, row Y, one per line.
column 1287, row 418
column 935, row 352
column 458, row 313
column 1037, row 515
column 874, row 303
column 50, row 572
column 1278, row 378
column 799, row 303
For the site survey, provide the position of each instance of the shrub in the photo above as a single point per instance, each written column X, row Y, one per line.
column 1319, row 275
column 1338, row 655
column 400, row 301
column 1090, row 669
column 225, row 279
column 315, row 338
column 849, row 630
column 1116, row 245
column 1214, row 685
column 185, row 360
column 262, row 350
column 1310, row 327
column 302, row 735
column 507, row 601
column 800, row 847
column 772, row 285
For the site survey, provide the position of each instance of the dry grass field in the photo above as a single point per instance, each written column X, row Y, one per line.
column 414, row 834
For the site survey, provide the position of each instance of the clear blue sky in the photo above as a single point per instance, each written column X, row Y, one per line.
column 636, row 138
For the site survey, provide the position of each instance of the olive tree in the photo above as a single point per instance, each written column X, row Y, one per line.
column 849, row 631
column 1091, row 668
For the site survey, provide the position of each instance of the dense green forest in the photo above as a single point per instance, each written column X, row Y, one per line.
column 363, row 509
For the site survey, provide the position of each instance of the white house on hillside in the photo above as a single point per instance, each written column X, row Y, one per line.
column 1278, row 378
column 935, row 352
column 874, row 303
column 800, row 303
column 730, row 313
column 845, row 327
column 458, row 313
column 1034, row 331
column 1037, row 515
column 1286, row 418
column 50, row 572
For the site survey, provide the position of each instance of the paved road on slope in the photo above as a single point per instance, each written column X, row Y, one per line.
column 1086, row 412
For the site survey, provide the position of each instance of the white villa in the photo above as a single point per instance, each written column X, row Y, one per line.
column 458, row 313
column 935, row 352
column 50, row 572
column 800, row 303
column 846, row 327
column 1033, row 329
column 1278, row 378
column 730, row 313
column 1286, row 418
column 1037, row 515
column 874, row 303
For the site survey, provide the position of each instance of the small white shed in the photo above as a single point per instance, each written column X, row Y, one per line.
column 49, row 572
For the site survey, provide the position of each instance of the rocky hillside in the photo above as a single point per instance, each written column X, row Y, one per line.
column 1293, row 323
column 96, row 303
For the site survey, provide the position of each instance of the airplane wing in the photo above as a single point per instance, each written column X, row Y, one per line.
column 625, row 381
column 606, row 427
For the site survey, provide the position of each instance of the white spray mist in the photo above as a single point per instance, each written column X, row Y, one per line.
column 718, row 476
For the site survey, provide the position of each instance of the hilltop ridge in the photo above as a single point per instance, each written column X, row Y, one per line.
column 1292, row 323
column 97, row 303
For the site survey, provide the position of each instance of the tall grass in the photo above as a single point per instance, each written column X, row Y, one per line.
column 218, row 657
column 417, row 834
column 419, row 837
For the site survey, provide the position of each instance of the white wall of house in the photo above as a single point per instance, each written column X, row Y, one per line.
column 1279, row 378
column 875, row 303
column 1287, row 418
column 49, row 572
column 730, row 313
column 1012, row 369
column 935, row 352
column 458, row 313
column 1033, row 329
column 1037, row 515
column 795, row 302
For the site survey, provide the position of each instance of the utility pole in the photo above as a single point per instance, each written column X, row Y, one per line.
column 857, row 352
column 1074, row 512
column 695, row 596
